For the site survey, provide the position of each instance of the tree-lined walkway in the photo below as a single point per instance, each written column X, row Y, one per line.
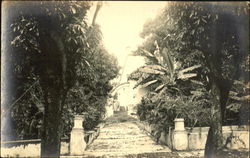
column 121, row 137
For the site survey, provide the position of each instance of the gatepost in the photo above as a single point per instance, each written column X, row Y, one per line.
column 77, row 142
column 180, row 136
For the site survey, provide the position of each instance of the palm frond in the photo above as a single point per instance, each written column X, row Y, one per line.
column 150, row 56
column 148, row 83
column 189, row 69
column 197, row 82
column 186, row 76
column 159, row 87
column 142, row 79
column 168, row 60
column 234, row 95
column 147, row 53
column 162, row 91
column 157, row 67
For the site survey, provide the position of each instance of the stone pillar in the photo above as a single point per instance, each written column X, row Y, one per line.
column 77, row 142
column 180, row 137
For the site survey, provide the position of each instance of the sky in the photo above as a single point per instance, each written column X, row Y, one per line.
column 121, row 23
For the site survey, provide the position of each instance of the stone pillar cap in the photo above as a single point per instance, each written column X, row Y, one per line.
column 179, row 119
column 79, row 117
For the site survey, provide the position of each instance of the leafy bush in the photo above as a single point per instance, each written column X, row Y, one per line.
column 237, row 110
column 160, row 111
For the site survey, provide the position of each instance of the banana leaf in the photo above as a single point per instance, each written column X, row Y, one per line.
column 168, row 60
column 189, row 69
column 186, row 76
column 148, row 83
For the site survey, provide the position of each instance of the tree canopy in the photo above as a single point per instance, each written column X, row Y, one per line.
column 51, row 48
column 211, row 34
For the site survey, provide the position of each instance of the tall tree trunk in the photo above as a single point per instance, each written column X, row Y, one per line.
column 54, row 88
column 214, row 141
column 51, row 135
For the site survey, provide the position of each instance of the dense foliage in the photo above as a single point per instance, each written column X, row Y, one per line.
column 51, row 48
column 88, row 97
column 161, row 112
column 173, row 93
column 212, row 35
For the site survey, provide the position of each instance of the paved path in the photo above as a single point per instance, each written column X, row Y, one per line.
column 123, row 138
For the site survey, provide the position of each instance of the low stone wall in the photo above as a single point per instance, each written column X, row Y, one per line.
column 181, row 138
column 234, row 137
column 22, row 148
column 32, row 148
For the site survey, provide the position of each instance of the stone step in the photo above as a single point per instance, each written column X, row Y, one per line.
column 119, row 139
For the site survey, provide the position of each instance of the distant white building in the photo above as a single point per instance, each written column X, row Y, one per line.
column 127, row 96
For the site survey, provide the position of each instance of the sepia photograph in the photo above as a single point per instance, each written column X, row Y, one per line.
column 125, row 79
